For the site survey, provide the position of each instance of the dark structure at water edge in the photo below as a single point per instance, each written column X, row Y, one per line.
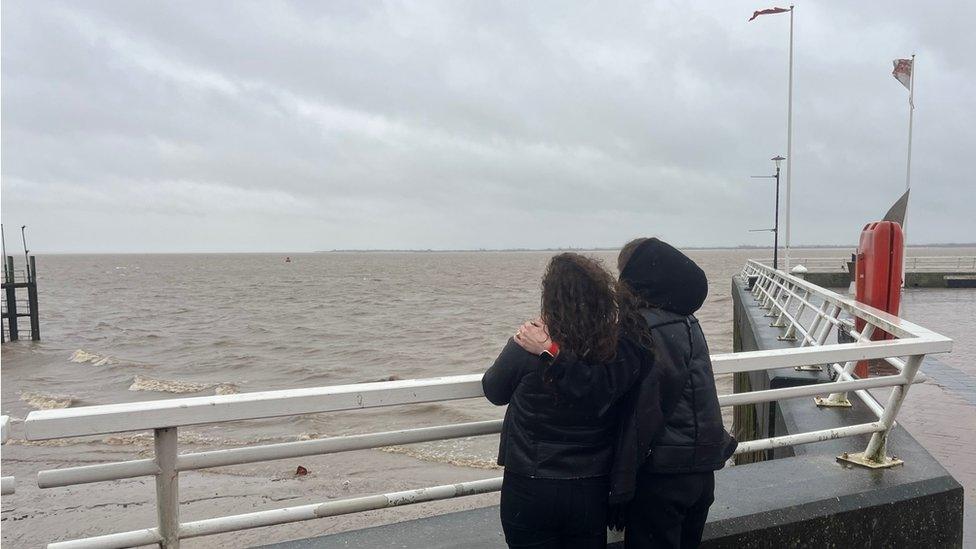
column 14, row 280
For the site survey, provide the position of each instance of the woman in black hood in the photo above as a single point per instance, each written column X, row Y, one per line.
column 671, row 437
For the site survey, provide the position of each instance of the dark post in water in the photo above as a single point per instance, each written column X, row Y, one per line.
column 10, row 286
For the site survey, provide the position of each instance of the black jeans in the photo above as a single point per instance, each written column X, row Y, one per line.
column 551, row 513
column 669, row 511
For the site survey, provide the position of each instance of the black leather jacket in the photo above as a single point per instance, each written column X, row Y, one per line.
column 550, row 432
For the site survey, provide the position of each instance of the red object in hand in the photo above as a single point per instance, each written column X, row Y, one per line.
column 553, row 349
column 878, row 275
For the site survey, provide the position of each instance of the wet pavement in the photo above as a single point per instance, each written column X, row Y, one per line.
column 941, row 415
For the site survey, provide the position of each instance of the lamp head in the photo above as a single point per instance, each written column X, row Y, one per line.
column 777, row 159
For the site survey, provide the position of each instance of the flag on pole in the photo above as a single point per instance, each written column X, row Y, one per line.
column 789, row 124
column 902, row 72
column 769, row 11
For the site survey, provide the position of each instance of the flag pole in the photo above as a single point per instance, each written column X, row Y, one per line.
column 911, row 115
column 789, row 149
column 908, row 174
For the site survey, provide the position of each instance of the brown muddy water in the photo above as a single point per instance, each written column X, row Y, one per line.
column 124, row 328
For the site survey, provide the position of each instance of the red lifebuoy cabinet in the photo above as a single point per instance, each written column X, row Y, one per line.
column 878, row 274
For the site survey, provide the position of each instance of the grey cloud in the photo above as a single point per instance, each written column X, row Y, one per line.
column 138, row 126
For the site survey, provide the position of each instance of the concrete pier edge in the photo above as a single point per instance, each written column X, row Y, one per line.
column 913, row 279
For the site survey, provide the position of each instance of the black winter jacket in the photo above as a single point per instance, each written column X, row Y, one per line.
column 669, row 417
column 679, row 388
column 693, row 438
column 554, row 433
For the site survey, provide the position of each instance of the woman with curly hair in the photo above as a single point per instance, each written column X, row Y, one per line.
column 670, row 439
column 557, row 443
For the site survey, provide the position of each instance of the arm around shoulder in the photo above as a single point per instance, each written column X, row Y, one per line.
column 603, row 384
column 502, row 378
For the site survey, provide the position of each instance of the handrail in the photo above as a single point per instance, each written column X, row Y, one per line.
column 838, row 263
column 181, row 412
column 184, row 412
column 797, row 306
column 769, row 286
column 8, row 485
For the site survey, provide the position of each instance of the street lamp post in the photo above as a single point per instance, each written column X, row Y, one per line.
column 775, row 230
column 776, row 160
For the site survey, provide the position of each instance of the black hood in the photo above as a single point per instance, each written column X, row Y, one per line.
column 666, row 278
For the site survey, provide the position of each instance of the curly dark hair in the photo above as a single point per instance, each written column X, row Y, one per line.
column 579, row 306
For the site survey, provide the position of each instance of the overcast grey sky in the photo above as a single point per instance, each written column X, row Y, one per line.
column 267, row 126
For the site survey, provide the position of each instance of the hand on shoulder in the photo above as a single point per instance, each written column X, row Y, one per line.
column 533, row 336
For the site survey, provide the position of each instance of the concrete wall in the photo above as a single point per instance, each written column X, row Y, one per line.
column 912, row 279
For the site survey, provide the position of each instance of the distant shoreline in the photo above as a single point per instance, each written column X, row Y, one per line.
column 490, row 250
column 614, row 248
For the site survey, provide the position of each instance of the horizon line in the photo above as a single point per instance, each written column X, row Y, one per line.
column 449, row 250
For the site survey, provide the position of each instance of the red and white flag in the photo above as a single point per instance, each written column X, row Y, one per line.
column 903, row 72
column 769, row 11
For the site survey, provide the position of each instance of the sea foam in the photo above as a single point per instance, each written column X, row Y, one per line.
column 45, row 401
column 82, row 356
column 143, row 383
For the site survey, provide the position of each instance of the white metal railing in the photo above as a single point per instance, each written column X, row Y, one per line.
column 920, row 264
column 939, row 263
column 8, row 485
column 804, row 311
column 822, row 264
column 816, row 315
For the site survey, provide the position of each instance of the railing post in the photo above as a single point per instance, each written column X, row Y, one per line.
column 764, row 290
column 759, row 286
column 875, row 456
column 778, row 323
column 828, row 325
column 167, row 487
column 790, row 334
column 772, row 298
column 840, row 399
column 821, row 338
column 815, row 327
